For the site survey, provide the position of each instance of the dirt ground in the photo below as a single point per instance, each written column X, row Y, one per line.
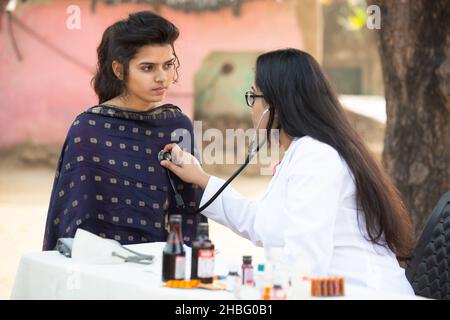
column 24, row 197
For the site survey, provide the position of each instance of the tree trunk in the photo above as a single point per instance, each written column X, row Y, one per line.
column 414, row 47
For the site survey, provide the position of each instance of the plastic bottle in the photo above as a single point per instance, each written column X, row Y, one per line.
column 247, row 271
column 259, row 279
column 233, row 279
column 300, row 288
column 279, row 284
column 278, row 292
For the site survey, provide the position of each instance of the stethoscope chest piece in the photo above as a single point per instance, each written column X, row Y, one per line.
column 164, row 156
column 178, row 199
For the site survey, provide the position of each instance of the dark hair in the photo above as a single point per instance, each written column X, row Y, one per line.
column 121, row 41
column 299, row 94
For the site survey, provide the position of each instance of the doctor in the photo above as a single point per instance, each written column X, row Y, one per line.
column 329, row 199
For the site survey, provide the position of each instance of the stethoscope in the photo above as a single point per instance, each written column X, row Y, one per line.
column 253, row 149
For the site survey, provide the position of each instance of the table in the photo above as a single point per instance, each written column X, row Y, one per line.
column 50, row 275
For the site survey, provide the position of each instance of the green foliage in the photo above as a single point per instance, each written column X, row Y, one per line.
column 351, row 13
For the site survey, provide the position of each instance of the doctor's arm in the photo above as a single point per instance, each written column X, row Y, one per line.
column 229, row 209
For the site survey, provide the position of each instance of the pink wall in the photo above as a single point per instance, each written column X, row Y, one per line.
column 40, row 96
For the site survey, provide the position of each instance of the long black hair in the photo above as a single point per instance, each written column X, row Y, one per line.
column 298, row 92
column 121, row 41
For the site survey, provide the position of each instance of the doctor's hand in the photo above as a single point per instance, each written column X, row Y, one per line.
column 185, row 166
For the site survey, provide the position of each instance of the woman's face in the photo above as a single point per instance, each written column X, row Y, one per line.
column 151, row 72
column 258, row 108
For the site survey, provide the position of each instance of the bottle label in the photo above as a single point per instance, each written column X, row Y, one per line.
column 279, row 294
column 205, row 263
column 248, row 276
column 180, row 267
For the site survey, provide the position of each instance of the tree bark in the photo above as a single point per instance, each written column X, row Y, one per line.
column 414, row 47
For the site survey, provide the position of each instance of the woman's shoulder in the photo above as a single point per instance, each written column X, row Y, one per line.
column 309, row 146
column 182, row 120
column 83, row 124
column 97, row 117
column 181, row 114
column 315, row 155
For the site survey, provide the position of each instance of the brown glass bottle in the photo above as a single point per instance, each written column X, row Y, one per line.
column 174, row 256
column 202, row 264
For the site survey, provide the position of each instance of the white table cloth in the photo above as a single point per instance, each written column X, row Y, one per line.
column 49, row 275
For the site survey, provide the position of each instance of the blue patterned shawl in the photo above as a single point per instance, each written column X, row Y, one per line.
column 109, row 180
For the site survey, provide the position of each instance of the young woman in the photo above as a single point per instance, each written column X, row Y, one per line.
column 108, row 179
column 328, row 201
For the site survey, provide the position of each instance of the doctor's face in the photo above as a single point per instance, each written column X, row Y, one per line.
column 258, row 107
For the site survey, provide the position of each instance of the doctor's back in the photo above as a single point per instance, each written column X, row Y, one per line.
column 310, row 209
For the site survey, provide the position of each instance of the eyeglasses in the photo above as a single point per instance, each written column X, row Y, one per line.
column 250, row 98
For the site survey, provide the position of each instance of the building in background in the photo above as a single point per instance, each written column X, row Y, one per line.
column 41, row 93
column 47, row 67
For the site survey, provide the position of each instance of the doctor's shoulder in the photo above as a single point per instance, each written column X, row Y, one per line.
column 315, row 156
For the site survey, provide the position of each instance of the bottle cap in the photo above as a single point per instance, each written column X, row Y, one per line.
column 247, row 259
column 266, row 295
column 202, row 228
column 233, row 269
column 175, row 218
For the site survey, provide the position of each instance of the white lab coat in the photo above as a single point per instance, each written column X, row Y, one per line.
column 309, row 207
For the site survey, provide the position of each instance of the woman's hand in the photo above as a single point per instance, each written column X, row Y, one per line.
column 185, row 166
